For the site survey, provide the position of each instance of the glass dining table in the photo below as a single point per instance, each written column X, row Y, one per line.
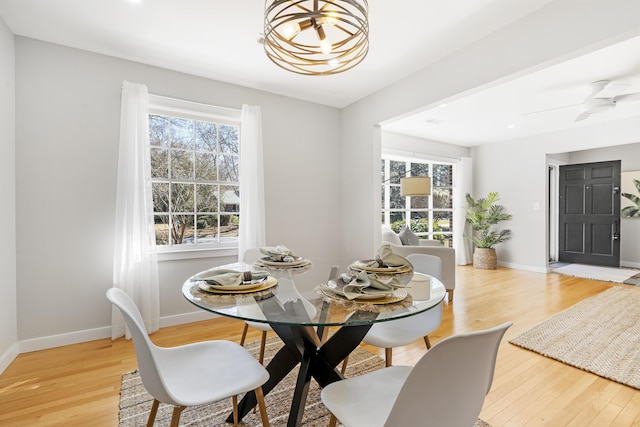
column 302, row 321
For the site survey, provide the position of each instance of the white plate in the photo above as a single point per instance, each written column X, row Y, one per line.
column 338, row 289
column 297, row 262
column 241, row 287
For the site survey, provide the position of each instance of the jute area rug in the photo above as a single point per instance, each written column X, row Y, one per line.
column 629, row 276
column 600, row 334
column 135, row 402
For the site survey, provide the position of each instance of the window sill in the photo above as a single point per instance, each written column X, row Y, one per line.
column 180, row 254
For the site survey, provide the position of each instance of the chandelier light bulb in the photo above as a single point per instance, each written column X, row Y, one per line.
column 291, row 30
column 325, row 46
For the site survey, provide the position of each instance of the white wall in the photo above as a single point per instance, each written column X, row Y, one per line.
column 394, row 143
column 67, row 125
column 8, row 327
column 536, row 41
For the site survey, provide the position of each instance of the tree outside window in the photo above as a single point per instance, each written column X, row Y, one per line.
column 195, row 180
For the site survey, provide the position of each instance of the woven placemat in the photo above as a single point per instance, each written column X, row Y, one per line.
column 600, row 334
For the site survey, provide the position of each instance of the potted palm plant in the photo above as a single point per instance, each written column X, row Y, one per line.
column 482, row 215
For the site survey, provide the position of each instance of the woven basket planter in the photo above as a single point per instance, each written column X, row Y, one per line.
column 485, row 258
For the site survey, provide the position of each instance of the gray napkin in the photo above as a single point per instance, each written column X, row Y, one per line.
column 224, row 277
column 368, row 284
column 278, row 253
column 385, row 258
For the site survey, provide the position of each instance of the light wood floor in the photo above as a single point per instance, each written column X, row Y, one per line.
column 78, row 385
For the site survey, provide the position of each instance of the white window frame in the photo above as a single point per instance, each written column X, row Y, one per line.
column 386, row 204
column 164, row 106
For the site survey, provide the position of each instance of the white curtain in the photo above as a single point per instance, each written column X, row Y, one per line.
column 135, row 266
column 461, row 186
column 252, row 215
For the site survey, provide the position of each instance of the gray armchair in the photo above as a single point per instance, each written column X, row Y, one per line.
column 429, row 247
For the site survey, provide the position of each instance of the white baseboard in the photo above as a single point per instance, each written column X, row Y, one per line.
column 51, row 341
column 42, row 343
column 523, row 267
column 630, row 264
column 180, row 319
column 8, row 357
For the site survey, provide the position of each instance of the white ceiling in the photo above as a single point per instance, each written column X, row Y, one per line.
column 218, row 40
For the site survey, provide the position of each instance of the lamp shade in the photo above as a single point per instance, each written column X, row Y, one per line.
column 415, row 186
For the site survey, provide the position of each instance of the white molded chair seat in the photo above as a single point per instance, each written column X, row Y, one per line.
column 446, row 387
column 191, row 374
column 404, row 331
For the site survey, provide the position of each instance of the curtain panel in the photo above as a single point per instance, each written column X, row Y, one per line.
column 135, row 264
column 252, row 207
column 462, row 185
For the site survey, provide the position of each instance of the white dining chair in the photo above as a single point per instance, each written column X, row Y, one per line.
column 446, row 387
column 191, row 374
column 396, row 333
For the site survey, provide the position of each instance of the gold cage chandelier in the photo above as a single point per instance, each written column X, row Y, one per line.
column 316, row 37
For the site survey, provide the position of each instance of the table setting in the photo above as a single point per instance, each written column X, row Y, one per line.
column 223, row 281
column 386, row 264
column 281, row 257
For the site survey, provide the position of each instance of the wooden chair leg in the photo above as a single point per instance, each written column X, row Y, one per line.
column 332, row 421
column 175, row 418
column 344, row 365
column 263, row 342
column 388, row 352
column 234, row 404
column 244, row 334
column 427, row 342
column 450, row 292
column 154, row 411
column 262, row 406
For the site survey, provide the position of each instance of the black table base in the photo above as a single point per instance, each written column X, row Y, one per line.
column 317, row 360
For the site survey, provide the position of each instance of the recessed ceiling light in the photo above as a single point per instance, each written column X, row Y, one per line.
column 433, row 121
column 442, row 105
column 511, row 126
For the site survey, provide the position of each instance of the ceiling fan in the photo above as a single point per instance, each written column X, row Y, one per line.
column 603, row 96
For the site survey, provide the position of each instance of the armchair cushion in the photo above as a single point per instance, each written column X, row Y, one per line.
column 390, row 236
column 408, row 237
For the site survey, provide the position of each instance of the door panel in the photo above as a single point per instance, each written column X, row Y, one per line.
column 589, row 205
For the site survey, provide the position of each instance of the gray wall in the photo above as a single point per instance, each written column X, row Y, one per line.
column 67, row 124
column 8, row 328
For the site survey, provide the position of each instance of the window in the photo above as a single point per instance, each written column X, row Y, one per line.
column 194, row 174
column 431, row 217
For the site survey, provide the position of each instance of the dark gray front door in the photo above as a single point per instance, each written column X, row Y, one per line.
column 589, row 223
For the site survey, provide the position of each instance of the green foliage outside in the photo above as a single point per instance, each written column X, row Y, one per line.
column 482, row 215
column 632, row 211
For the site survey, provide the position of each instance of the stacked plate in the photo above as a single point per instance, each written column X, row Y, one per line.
column 207, row 282
column 402, row 273
column 269, row 262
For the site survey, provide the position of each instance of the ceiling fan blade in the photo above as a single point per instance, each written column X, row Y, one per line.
column 613, row 89
column 581, row 117
column 596, row 88
column 550, row 109
column 627, row 97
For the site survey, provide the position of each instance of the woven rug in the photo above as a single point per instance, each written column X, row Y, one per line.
column 135, row 402
column 628, row 276
column 600, row 334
